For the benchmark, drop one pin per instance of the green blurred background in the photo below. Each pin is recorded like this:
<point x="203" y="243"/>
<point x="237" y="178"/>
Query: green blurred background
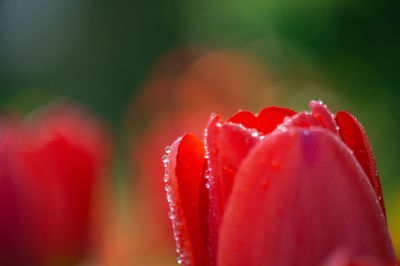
<point x="99" y="53"/>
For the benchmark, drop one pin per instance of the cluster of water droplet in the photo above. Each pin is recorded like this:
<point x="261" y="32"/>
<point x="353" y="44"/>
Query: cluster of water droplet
<point x="176" y="224"/>
<point x="207" y="172"/>
<point x="253" y="132"/>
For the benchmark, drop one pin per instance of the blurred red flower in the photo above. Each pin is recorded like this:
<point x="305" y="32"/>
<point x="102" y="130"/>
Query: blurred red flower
<point x="51" y="166"/>
<point x="279" y="188"/>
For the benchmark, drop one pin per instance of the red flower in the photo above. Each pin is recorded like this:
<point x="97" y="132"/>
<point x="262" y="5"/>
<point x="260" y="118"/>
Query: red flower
<point x="50" y="168"/>
<point x="279" y="188"/>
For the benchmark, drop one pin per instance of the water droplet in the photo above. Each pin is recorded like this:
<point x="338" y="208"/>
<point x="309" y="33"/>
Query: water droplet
<point x="179" y="260"/>
<point x="219" y="124"/>
<point x="207" y="173"/>
<point x="167" y="149"/>
<point x="287" y="119"/>
<point x="254" y="132"/>
<point x="165" y="159"/>
<point x="282" y="128"/>
<point x="208" y="185"/>
<point x="171" y="215"/>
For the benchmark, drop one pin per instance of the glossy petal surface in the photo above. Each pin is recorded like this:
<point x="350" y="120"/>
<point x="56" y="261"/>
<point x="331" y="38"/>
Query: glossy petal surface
<point x="245" y="118"/>
<point x="265" y="121"/>
<point x="298" y="196"/>
<point x="183" y="170"/>
<point x="323" y="116"/>
<point x="227" y="145"/>
<point x="301" y="120"/>
<point x="269" y="118"/>
<point x="353" y="135"/>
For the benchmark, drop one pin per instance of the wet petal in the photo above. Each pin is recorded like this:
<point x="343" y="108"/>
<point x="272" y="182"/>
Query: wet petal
<point x="269" y="118"/>
<point x="265" y="121"/>
<point x="245" y="118"/>
<point x="183" y="169"/>
<point x="301" y="120"/>
<point x="298" y="196"/>
<point x="353" y="135"/>
<point x="323" y="116"/>
<point x="227" y="144"/>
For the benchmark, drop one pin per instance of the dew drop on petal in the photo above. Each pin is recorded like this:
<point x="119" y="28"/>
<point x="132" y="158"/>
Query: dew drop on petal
<point x="254" y="133"/>
<point x="167" y="149"/>
<point x="282" y="128"/>
<point x="287" y="119"/>
<point x="165" y="158"/>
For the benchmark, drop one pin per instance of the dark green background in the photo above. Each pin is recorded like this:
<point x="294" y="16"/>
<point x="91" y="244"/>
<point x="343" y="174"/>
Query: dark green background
<point x="98" y="53"/>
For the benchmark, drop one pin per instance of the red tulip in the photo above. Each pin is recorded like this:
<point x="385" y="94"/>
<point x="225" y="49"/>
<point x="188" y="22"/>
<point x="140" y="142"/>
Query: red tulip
<point x="49" y="171"/>
<point x="278" y="188"/>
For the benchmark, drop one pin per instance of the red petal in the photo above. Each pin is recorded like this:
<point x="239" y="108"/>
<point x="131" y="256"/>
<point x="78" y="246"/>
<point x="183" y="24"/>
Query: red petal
<point x="301" y="120"/>
<point x="183" y="170"/>
<point x="343" y="258"/>
<point x="353" y="135"/>
<point x="269" y="118"/>
<point x="245" y="118"/>
<point x="204" y="211"/>
<point x="298" y="196"/>
<point x="227" y="145"/>
<point x="323" y="116"/>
